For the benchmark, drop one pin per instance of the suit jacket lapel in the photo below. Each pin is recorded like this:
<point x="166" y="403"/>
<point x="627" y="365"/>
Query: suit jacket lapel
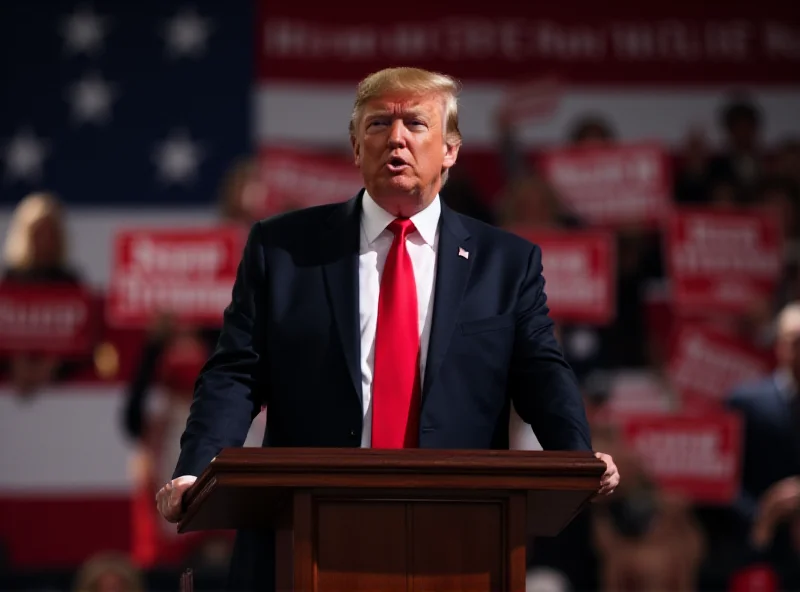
<point x="341" y="247"/>
<point x="452" y="272"/>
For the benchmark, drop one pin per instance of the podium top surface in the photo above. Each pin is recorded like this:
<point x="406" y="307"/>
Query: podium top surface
<point x="258" y="478"/>
<point x="417" y="460"/>
<point x="414" y="468"/>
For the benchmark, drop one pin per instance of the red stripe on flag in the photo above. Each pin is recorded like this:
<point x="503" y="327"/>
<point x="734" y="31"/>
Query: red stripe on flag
<point x="63" y="531"/>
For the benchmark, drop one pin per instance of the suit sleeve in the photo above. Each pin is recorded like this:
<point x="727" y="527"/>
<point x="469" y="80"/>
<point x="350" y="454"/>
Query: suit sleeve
<point x="230" y="389"/>
<point x="745" y="505"/>
<point x="544" y="389"/>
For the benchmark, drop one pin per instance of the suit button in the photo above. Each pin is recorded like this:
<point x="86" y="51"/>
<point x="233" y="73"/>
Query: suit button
<point x="352" y="433"/>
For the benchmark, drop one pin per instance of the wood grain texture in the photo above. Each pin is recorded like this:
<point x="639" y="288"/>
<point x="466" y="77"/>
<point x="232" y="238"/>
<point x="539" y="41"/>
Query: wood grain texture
<point x="458" y="546"/>
<point x="361" y="547"/>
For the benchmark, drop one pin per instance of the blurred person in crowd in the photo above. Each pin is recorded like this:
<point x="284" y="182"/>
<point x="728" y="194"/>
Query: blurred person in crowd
<point x="36" y="253"/>
<point x="690" y="181"/>
<point x="531" y="202"/>
<point x="172" y="359"/>
<point x="725" y="194"/>
<point x="786" y="164"/>
<point x="648" y="540"/>
<point x="770" y="409"/>
<point x="781" y="197"/>
<point x="36" y="246"/>
<point x="741" y="160"/>
<point x="361" y="385"/>
<point x="109" y="572"/>
<point x="728" y="178"/>
<point x="243" y="192"/>
<point x="572" y="553"/>
<point x="592" y="130"/>
<point x="625" y="339"/>
<point x="463" y="197"/>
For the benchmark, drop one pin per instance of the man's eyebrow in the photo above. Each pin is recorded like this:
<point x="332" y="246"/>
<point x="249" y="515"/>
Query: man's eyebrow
<point x="413" y="112"/>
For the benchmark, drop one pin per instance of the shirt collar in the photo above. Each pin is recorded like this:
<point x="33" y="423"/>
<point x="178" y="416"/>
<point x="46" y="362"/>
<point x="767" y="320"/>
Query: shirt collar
<point x="375" y="219"/>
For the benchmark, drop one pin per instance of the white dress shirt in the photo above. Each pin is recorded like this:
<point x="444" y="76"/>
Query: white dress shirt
<point x="375" y="243"/>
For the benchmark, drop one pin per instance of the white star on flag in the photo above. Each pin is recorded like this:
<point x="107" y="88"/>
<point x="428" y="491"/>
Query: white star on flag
<point x="177" y="158"/>
<point x="84" y="32"/>
<point x="187" y="34"/>
<point x="24" y="156"/>
<point x="90" y="100"/>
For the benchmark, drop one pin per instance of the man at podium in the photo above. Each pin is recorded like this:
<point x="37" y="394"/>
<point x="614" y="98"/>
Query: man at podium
<point x="386" y="321"/>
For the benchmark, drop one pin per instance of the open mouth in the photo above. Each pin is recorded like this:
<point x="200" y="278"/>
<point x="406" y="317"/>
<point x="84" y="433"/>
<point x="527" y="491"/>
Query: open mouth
<point x="396" y="164"/>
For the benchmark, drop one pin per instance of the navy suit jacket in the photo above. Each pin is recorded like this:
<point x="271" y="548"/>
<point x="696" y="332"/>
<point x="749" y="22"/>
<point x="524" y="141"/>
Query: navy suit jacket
<point x="291" y="340"/>
<point x="771" y="441"/>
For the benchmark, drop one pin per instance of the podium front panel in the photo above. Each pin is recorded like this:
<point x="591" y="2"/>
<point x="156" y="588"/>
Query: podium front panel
<point x="412" y="544"/>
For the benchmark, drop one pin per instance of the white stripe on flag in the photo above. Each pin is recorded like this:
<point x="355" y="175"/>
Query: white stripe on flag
<point x="319" y="114"/>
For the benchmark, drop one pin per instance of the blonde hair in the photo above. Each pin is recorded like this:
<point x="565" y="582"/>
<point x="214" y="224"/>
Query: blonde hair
<point x="414" y="81"/>
<point x="110" y="562"/>
<point x="18" y="252"/>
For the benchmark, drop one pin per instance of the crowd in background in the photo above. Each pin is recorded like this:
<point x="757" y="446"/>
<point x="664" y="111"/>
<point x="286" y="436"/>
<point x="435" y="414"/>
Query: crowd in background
<point x="642" y="538"/>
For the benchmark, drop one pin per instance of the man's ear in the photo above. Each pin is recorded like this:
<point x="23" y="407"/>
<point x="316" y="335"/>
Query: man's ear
<point x="356" y="150"/>
<point x="450" y="153"/>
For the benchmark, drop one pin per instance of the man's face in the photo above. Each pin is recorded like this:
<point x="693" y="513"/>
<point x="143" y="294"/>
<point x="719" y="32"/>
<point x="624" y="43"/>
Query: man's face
<point x="400" y="147"/>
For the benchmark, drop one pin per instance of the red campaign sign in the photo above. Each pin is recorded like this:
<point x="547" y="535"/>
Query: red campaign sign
<point x="299" y="178"/>
<point x="579" y="268"/>
<point x="53" y="319"/>
<point x="612" y="185"/>
<point x="693" y="456"/>
<point x="188" y="272"/>
<point x="706" y="364"/>
<point x="722" y="262"/>
<point x="623" y="42"/>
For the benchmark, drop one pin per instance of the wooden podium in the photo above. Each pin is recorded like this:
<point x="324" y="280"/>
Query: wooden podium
<point x="355" y="520"/>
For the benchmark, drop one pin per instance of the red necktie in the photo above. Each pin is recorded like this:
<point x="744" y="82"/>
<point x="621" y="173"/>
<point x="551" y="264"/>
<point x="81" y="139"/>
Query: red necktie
<point x="396" y="384"/>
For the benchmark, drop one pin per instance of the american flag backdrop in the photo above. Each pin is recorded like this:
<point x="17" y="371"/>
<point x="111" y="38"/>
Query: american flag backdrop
<point x="124" y="103"/>
<point x="131" y="112"/>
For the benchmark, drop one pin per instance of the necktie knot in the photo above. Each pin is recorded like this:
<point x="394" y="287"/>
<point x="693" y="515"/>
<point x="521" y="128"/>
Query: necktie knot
<point x="402" y="227"/>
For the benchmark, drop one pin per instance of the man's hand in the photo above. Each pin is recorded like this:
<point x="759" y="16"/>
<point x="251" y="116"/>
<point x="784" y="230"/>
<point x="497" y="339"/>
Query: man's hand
<point x="169" y="498"/>
<point x="610" y="478"/>
<point x="777" y="504"/>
